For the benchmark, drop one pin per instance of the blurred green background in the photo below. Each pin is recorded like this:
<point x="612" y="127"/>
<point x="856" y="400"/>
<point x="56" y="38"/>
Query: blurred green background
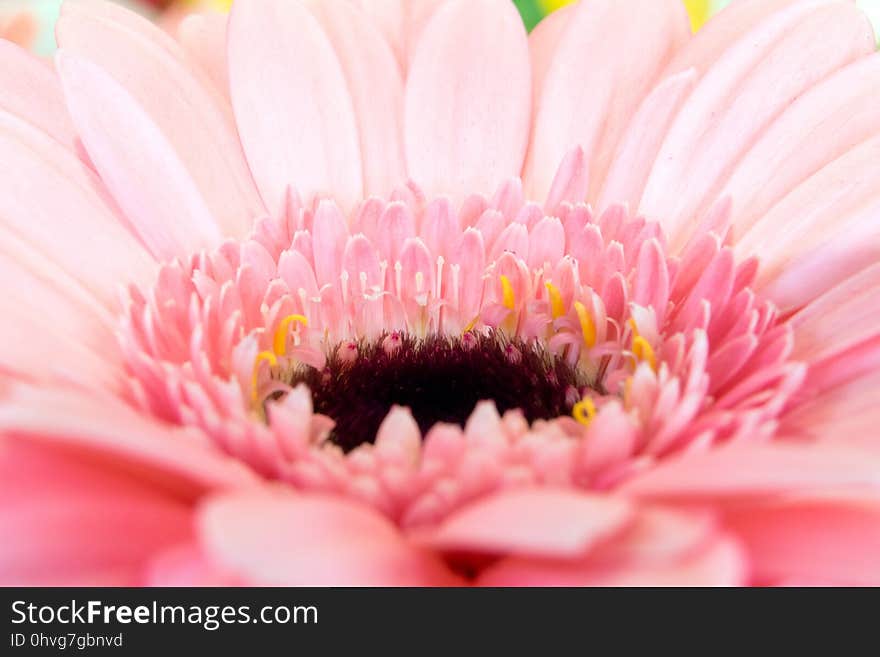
<point x="534" y="10"/>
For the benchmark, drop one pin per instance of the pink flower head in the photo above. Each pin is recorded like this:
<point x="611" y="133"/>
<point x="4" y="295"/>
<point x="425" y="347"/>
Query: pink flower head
<point x="407" y="297"/>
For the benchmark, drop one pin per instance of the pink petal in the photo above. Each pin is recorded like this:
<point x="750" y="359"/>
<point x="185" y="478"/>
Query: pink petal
<point x="823" y="124"/>
<point x="658" y="536"/>
<point x="274" y="538"/>
<point x="606" y="61"/>
<point x="138" y="165"/>
<point x="540" y="521"/>
<point x="726" y="362"/>
<point x="331" y="235"/>
<point x="75" y="522"/>
<point x="175" y="96"/>
<point x="439" y="223"/>
<point x="546" y="243"/>
<point x="376" y="89"/>
<point x="722" y="31"/>
<point x="88" y="425"/>
<point x="32" y="93"/>
<point x="720" y="563"/>
<point x="203" y="36"/>
<point x="54" y="216"/>
<point x="398" y="439"/>
<point x="846" y="412"/>
<point x="640" y="143"/>
<point x="730" y="106"/>
<point x="544" y="40"/>
<point x="401" y="23"/>
<point x="467" y="101"/>
<point x="843" y="316"/>
<point x="293" y="108"/>
<point x="571" y="183"/>
<point x="610" y="440"/>
<point x="651" y="285"/>
<point x="823" y="232"/>
<point x="833" y="538"/>
<point x="79" y="344"/>
<point x="755" y="471"/>
<point x="186" y="565"/>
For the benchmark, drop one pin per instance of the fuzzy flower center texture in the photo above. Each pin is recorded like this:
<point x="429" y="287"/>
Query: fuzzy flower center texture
<point x="566" y="347"/>
<point x="439" y="378"/>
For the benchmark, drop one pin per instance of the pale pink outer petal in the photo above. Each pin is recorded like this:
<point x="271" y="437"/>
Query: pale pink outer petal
<point x="642" y="139"/>
<point x="733" y="103"/>
<point x="292" y="106"/>
<point x="376" y="88"/>
<point x="203" y="36"/>
<point x="822" y="232"/>
<point x="544" y="39"/>
<point x="401" y="23"/>
<point x="73" y="521"/>
<point x="139" y="166"/>
<point x="277" y="538"/>
<point x="37" y="345"/>
<point x="846" y="412"/>
<point x="32" y="92"/>
<point x="838" y="335"/>
<point x="538" y="522"/>
<point x="820" y="126"/>
<point x="722" y="31"/>
<point x="54" y="215"/>
<point x="97" y="426"/>
<point x="467" y="99"/>
<point x="743" y="472"/>
<point x="833" y="538"/>
<point x="172" y="91"/>
<point x="840" y="318"/>
<point x="607" y="60"/>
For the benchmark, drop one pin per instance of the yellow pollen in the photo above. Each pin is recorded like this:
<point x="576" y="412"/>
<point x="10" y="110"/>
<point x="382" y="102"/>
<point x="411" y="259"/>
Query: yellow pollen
<point x="588" y="328"/>
<point x="263" y="355"/>
<point x="643" y="351"/>
<point x="279" y="342"/>
<point x="509" y="298"/>
<point x="584" y="411"/>
<point x="557" y="307"/>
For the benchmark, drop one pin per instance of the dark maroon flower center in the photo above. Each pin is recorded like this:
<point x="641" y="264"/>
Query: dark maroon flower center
<point x="439" y="378"/>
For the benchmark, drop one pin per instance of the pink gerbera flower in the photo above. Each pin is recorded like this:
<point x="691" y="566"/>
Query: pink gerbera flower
<point x="401" y="297"/>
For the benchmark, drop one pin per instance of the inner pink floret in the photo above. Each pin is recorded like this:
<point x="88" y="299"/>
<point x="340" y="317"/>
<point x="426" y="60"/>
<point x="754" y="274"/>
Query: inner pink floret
<point x="670" y="353"/>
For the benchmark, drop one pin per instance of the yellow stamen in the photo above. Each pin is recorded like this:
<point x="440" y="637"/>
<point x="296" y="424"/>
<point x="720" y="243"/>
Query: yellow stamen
<point x="643" y="351"/>
<point x="509" y="298"/>
<point x="263" y="355"/>
<point x="633" y="327"/>
<point x="470" y="325"/>
<point x="279" y="342"/>
<point x="588" y="328"/>
<point x="557" y="307"/>
<point x="584" y="411"/>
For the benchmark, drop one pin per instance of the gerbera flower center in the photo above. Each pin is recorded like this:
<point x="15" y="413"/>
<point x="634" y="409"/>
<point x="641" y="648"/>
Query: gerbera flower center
<point x="538" y="343"/>
<point x="440" y="378"/>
